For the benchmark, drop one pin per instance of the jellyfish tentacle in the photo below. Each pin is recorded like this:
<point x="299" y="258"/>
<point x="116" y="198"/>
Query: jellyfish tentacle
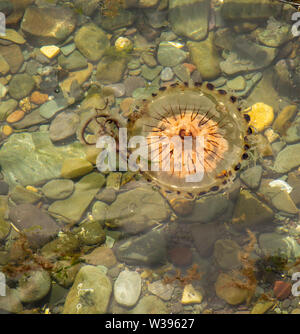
<point x="103" y="128"/>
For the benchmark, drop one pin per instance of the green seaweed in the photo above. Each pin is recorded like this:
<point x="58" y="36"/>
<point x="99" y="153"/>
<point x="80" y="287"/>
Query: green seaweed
<point x="113" y="53"/>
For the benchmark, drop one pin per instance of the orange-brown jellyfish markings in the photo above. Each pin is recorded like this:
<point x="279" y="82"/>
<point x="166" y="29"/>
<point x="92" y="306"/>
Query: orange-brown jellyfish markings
<point x="198" y="111"/>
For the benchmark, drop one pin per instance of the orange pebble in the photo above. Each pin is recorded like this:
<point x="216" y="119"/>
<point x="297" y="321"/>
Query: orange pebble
<point x="7" y="130"/>
<point x="282" y="289"/>
<point x="190" y="67"/>
<point x="38" y="98"/>
<point x="15" y="116"/>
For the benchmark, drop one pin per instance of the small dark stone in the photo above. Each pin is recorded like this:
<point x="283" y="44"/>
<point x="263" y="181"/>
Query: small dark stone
<point x="237" y="167"/>
<point x="249" y="131"/>
<point x="222" y="91"/>
<point x="245" y="156"/>
<point x="247" y="117"/>
<point x="210" y="86"/>
<point x="233" y="99"/>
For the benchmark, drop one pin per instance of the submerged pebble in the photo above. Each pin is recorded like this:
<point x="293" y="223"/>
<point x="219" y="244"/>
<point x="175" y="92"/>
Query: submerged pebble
<point x="15" y="116"/>
<point x="90" y="292"/>
<point x="50" y="51"/>
<point x="127" y="288"/>
<point x="33" y="286"/>
<point x="166" y="74"/>
<point x="58" y="189"/>
<point x="191" y="296"/>
<point x="227" y="290"/>
<point x="261" y="116"/>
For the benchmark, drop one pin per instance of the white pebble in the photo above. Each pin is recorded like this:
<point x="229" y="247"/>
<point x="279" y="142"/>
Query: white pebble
<point x="282" y="185"/>
<point x="167" y="74"/>
<point x="127" y="288"/>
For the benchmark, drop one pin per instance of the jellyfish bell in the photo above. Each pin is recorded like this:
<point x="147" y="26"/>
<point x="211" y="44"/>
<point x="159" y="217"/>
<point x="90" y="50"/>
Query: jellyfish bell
<point x="215" y="126"/>
<point x="194" y="140"/>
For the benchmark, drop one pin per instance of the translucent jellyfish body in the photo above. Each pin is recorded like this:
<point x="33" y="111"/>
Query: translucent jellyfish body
<point x="217" y="129"/>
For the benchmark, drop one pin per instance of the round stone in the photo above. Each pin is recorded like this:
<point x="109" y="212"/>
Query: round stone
<point x="167" y="74"/>
<point x="261" y="116"/>
<point x="33" y="286"/>
<point x="228" y="290"/>
<point x="123" y="44"/>
<point x="127" y="288"/>
<point x="20" y="86"/>
<point x="91" y="41"/>
<point x="91" y="289"/>
<point x="58" y="189"/>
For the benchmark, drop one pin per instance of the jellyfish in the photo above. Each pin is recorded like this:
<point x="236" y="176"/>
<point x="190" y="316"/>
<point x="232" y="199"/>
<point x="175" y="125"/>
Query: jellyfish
<point x="194" y="112"/>
<point x="198" y="132"/>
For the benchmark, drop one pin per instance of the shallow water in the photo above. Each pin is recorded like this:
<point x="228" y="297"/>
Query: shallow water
<point x="77" y="240"/>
